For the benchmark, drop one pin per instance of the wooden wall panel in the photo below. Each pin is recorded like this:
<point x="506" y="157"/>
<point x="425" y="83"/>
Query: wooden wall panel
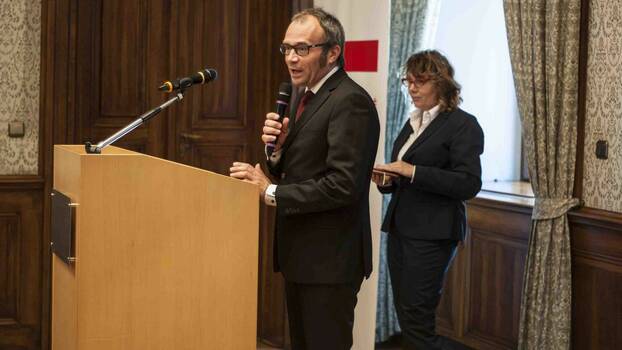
<point x="21" y="252"/>
<point x="481" y="304"/>
<point x="597" y="306"/>
<point x="9" y="267"/>
<point x="496" y="276"/>
<point x="597" y="279"/>
<point x="482" y="309"/>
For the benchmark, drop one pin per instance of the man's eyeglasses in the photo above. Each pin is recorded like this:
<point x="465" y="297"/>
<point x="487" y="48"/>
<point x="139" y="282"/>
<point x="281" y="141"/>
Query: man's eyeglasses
<point x="301" y="50"/>
<point x="417" y="82"/>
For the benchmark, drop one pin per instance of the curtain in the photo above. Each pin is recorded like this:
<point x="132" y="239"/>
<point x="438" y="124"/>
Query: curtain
<point x="543" y="37"/>
<point x="413" y="24"/>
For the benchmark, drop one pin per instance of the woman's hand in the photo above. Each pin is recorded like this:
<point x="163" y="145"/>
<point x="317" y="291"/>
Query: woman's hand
<point x="399" y="168"/>
<point x="382" y="179"/>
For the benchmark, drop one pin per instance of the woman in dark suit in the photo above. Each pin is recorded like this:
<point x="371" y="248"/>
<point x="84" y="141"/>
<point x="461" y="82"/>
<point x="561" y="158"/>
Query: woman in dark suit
<point x="435" y="167"/>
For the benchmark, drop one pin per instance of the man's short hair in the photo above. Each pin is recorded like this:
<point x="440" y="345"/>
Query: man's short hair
<point x="333" y="30"/>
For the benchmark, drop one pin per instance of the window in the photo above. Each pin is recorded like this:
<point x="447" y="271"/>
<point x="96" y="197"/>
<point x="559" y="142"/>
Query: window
<point x="473" y="37"/>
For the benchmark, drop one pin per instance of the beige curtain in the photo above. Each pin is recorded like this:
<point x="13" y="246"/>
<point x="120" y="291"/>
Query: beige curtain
<point x="543" y="37"/>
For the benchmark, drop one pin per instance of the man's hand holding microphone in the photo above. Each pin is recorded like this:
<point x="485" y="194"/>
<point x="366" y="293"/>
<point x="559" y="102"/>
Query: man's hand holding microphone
<point x="275" y="132"/>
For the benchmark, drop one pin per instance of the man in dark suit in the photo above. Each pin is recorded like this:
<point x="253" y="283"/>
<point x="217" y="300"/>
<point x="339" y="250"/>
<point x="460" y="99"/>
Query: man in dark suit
<point x="323" y="160"/>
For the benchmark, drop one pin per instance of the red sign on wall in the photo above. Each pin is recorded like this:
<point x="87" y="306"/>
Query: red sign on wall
<point x="361" y="56"/>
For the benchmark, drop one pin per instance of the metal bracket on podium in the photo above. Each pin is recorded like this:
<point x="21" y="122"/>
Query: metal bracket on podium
<point x="63" y="227"/>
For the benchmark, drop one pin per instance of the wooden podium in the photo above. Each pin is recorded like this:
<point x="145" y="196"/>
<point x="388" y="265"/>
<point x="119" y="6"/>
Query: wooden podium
<point x="165" y="255"/>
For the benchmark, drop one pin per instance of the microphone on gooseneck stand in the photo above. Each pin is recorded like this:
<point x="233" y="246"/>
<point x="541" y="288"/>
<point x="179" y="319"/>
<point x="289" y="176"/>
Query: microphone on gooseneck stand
<point x="282" y="101"/>
<point x="178" y="85"/>
<point x="201" y="77"/>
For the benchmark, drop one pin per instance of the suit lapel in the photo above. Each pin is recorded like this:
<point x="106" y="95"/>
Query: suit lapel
<point x="436" y="124"/>
<point x="313" y="105"/>
<point x="401" y="140"/>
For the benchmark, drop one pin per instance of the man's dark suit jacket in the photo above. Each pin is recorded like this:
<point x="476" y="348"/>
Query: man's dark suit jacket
<point x="448" y="172"/>
<point x="323" y="232"/>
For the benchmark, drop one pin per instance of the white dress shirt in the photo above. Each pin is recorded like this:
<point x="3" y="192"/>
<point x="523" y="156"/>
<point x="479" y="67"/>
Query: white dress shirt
<point x="419" y="121"/>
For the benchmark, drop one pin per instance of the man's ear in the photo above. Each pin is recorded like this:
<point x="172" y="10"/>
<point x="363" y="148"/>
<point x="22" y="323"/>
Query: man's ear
<point x="333" y="54"/>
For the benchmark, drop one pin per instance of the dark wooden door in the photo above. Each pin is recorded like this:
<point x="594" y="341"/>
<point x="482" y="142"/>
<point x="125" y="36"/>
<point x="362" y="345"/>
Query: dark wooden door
<point x="212" y="126"/>
<point x="125" y="49"/>
<point x="221" y="122"/>
<point x="122" y="53"/>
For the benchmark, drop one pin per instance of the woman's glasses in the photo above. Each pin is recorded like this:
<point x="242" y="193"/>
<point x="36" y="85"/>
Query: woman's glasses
<point x="417" y="82"/>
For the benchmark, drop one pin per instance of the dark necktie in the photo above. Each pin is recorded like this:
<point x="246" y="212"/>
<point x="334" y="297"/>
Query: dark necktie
<point x="303" y="103"/>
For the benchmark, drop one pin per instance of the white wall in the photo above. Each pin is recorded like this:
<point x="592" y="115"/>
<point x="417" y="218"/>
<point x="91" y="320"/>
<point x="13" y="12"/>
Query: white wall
<point x="368" y="20"/>
<point x="473" y="37"/>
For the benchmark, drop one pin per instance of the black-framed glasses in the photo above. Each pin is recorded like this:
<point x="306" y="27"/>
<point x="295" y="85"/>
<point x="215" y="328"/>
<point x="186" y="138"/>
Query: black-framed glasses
<point x="417" y="82"/>
<point x="300" y="50"/>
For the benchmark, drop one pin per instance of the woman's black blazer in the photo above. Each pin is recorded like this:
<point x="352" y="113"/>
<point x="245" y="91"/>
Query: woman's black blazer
<point x="448" y="172"/>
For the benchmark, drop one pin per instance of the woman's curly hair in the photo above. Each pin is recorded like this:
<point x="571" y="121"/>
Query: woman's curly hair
<point x="432" y="65"/>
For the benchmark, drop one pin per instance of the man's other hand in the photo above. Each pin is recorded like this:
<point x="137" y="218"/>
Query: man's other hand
<point x="248" y="173"/>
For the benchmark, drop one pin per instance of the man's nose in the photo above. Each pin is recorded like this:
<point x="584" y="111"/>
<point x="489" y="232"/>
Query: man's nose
<point x="292" y="56"/>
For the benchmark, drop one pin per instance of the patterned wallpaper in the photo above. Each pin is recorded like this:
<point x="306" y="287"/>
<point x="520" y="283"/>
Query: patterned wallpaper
<point x="602" y="183"/>
<point x="20" y="43"/>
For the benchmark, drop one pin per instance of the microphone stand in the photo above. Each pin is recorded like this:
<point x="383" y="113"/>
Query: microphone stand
<point x="96" y="149"/>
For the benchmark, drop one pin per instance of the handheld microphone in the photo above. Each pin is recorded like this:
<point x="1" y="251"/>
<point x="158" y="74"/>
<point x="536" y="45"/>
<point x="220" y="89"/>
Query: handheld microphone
<point x="201" y="77"/>
<point x="282" y="101"/>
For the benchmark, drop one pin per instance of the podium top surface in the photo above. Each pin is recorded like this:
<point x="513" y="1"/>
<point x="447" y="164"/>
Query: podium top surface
<point x="80" y="152"/>
<point x="110" y="150"/>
